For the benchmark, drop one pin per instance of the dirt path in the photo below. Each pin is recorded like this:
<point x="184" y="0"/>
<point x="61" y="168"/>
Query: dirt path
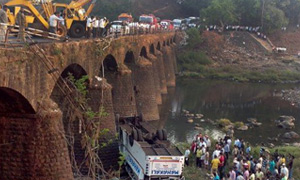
<point x="264" y="43"/>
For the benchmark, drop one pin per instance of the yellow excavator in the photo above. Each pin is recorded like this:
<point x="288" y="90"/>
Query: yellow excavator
<point x="38" y="13"/>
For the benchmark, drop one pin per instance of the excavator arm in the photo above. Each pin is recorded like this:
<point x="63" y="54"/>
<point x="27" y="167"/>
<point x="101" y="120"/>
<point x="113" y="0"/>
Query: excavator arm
<point x="91" y="7"/>
<point x="78" y="3"/>
<point x="30" y="6"/>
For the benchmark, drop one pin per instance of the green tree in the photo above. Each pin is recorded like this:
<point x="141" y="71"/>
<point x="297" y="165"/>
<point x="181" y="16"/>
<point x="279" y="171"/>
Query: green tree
<point x="194" y="6"/>
<point x="221" y="12"/>
<point x="248" y="12"/>
<point x="291" y="9"/>
<point x="273" y="17"/>
<point x="194" y="40"/>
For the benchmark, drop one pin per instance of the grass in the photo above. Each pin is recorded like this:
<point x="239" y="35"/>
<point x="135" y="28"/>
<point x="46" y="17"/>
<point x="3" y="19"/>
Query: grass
<point x="242" y="75"/>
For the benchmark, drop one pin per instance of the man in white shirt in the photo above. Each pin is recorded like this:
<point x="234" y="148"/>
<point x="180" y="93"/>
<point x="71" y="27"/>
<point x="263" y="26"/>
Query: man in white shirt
<point x="89" y="27"/>
<point x="284" y="171"/>
<point x="95" y="26"/>
<point x="54" y="19"/>
<point x="186" y="156"/>
<point x="216" y="153"/>
<point x="202" y="143"/>
<point x="101" y="26"/>
<point x="207" y="141"/>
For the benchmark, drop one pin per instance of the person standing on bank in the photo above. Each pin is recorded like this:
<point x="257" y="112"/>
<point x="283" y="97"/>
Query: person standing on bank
<point x="21" y="21"/>
<point x="4" y="20"/>
<point x="54" y="19"/>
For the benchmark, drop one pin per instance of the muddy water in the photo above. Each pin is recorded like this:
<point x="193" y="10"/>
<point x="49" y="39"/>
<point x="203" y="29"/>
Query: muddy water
<point x="217" y="99"/>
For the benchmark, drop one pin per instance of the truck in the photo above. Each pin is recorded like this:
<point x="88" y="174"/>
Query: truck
<point x="148" y="155"/>
<point x="39" y="12"/>
<point x="149" y="22"/>
<point x="125" y="17"/>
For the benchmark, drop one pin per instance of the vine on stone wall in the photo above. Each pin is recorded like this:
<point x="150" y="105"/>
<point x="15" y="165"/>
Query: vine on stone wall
<point x="90" y="129"/>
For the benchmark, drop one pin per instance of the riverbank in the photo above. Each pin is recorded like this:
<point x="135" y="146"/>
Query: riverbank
<point x="235" y="56"/>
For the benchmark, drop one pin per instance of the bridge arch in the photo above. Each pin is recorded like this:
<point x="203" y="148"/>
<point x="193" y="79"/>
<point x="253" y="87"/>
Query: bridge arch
<point x="168" y="42"/>
<point x="110" y="64"/>
<point x="129" y="58"/>
<point x="63" y="91"/>
<point x="75" y="69"/>
<point x="12" y="101"/>
<point x="152" y="49"/>
<point x="158" y="47"/>
<point x="17" y="123"/>
<point x="143" y="52"/>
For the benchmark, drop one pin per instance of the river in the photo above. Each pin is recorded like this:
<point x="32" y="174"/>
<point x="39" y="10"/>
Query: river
<point x="217" y="99"/>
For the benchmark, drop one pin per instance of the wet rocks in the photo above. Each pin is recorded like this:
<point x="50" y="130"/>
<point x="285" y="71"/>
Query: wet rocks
<point x="190" y="120"/>
<point x="199" y="116"/>
<point x="291" y="135"/>
<point x="187" y="113"/>
<point x="273" y="139"/>
<point x="198" y="128"/>
<point x="224" y="123"/>
<point x="197" y="124"/>
<point x="286" y="122"/>
<point x="253" y="122"/>
<point x="243" y="128"/>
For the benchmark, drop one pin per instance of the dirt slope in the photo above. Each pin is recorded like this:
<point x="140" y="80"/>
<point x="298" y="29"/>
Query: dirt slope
<point x="241" y="51"/>
<point x="289" y="39"/>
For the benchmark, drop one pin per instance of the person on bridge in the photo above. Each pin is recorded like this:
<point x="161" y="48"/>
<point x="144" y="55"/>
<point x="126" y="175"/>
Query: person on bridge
<point x="106" y="27"/>
<point x="21" y="21"/>
<point x="3" y="20"/>
<point x="54" y="19"/>
<point x="89" y="26"/>
<point x="95" y="26"/>
<point x="101" y="26"/>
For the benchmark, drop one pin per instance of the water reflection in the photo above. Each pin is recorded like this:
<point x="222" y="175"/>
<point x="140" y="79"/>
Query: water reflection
<point x="222" y="99"/>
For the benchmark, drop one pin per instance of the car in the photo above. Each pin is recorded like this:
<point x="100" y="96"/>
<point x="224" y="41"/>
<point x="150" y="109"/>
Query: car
<point x="167" y="24"/>
<point x="119" y="27"/>
<point x="177" y="23"/>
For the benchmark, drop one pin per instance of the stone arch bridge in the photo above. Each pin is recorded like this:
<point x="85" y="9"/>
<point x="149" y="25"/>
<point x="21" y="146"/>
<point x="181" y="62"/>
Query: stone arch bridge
<point x="126" y="75"/>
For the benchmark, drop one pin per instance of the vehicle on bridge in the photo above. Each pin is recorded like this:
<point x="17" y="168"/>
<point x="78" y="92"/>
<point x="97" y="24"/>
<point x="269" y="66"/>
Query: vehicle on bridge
<point x="119" y="27"/>
<point x="39" y="12"/>
<point x="148" y="155"/>
<point x="177" y="23"/>
<point x="149" y="22"/>
<point x="167" y="25"/>
<point x="125" y="17"/>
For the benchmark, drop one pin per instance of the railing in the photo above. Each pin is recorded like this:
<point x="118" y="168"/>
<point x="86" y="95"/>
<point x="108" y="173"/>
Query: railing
<point x="112" y="33"/>
<point x="134" y="30"/>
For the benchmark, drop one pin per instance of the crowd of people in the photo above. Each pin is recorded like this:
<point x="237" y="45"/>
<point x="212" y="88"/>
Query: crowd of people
<point x="234" y="160"/>
<point x="97" y="26"/>
<point x="250" y="29"/>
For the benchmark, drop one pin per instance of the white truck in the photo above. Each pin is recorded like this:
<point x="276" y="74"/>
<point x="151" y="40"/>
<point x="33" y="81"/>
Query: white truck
<point x="149" y="156"/>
